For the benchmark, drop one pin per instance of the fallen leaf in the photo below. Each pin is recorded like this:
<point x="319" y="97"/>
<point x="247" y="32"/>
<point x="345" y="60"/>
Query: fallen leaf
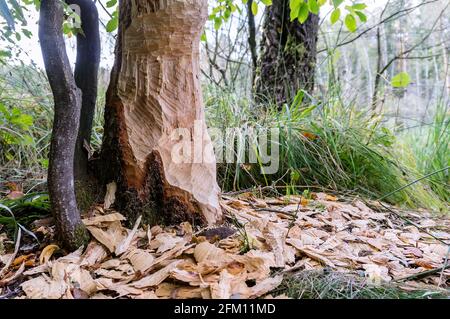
<point x="141" y="260"/>
<point x="94" y="254"/>
<point x="275" y="238"/>
<point x="110" y="238"/>
<point x="206" y="251"/>
<point x="14" y="195"/>
<point x="22" y="259"/>
<point x="13" y="277"/>
<point x="165" y="241"/>
<point x="43" y="288"/>
<point x="157" y="277"/>
<point x="265" y="286"/>
<point x="376" y="274"/>
<point x="98" y="220"/>
<point x="222" y="289"/>
<point x="47" y="253"/>
<point x="310" y="252"/>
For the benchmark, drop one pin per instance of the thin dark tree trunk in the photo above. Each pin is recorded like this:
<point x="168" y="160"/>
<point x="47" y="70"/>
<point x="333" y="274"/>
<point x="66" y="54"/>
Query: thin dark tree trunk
<point x="86" y="78"/>
<point x="67" y="99"/>
<point x="288" y="55"/>
<point x="379" y="71"/>
<point x="252" y="38"/>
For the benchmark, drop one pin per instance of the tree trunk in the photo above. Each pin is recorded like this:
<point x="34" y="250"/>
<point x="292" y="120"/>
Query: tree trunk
<point x="153" y="94"/>
<point x="288" y="54"/>
<point x="378" y="72"/>
<point x="86" y="75"/>
<point x="67" y="99"/>
<point x="252" y="38"/>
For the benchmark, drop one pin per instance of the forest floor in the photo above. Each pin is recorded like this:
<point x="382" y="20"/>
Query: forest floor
<point x="284" y="247"/>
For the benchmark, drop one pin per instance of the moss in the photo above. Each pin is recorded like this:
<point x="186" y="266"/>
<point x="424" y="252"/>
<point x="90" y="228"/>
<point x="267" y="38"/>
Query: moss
<point x="79" y="238"/>
<point x="87" y="193"/>
<point x="294" y="48"/>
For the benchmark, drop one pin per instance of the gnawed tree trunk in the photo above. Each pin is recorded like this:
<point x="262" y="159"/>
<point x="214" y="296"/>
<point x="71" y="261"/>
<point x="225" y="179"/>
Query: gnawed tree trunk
<point x="67" y="99"/>
<point x="86" y="77"/>
<point x="288" y="55"/>
<point x="154" y="91"/>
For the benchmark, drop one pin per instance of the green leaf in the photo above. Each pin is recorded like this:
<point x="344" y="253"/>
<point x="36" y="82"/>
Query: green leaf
<point x="203" y="37"/>
<point x="361" y="16"/>
<point x="359" y="6"/>
<point x="19" y="11"/>
<point x="337" y="3"/>
<point x="217" y="23"/>
<point x="335" y="15"/>
<point x="44" y="162"/>
<point x="303" y="13"/>
<point x="3" y="54"/>
<point x="294" y="6"/>
<point x="27" y="33"/>
<point x="27" y="140"/>
<point x="313" y="6"/>
<point x="67" y="28"/>
<point x="6" y="14"/>
<point x="254" y="8"/>
<point x="112" y="24"/>
<point x="401" y="80"/>
<point x="111" y="3"/>
<point x="266" y="2"/>
<point x="350" y="23"/>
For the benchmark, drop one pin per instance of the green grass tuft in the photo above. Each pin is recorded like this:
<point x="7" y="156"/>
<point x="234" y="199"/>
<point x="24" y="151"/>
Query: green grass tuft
<point x="314" y="284"/>
<point x="327" y="144"/>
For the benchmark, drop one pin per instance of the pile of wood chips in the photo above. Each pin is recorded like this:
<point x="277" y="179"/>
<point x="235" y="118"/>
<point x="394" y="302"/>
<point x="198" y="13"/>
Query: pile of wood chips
<point x="264" y="239"/>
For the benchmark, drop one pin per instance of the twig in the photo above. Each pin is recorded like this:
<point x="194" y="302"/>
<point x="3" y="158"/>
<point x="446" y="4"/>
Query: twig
<point x="275" y="187"/>
<point x="423" y="274"/>
<point x="242" y="191"/>
<point x="412" y="223"/>
<point x="412" y="183"/>
<point x="443" y="268"/>
<point x="271" y="210"/>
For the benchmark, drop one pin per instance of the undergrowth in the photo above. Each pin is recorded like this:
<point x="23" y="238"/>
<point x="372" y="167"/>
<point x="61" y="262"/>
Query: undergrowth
<point x="431" y="148"/>
<point x="23" y="211"/>
<point x="315" y="284"/>
<point x="329" y="144"/>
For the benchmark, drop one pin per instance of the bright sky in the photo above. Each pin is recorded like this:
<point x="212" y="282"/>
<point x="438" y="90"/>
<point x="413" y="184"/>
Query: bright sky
<point x="31" y="46"/>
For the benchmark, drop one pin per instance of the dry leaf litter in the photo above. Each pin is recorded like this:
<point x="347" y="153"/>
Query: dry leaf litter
<point x="246" y="259"/>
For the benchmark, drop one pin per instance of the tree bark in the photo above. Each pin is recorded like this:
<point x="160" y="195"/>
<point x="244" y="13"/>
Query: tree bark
<point x="252" y="38"/>
<point x="155" y="90"/>
<point x="378" y="71"/>
<point x="288" y="54"/>
<point x="86" y="77"/>
<point x="67" y="100"/>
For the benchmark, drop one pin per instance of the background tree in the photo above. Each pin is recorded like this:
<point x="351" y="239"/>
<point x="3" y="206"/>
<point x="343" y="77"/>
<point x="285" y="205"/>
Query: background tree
<point x="288" y="55"/>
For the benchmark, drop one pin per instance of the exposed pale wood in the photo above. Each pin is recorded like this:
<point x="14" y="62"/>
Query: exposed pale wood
<point x="158" y="91"/>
